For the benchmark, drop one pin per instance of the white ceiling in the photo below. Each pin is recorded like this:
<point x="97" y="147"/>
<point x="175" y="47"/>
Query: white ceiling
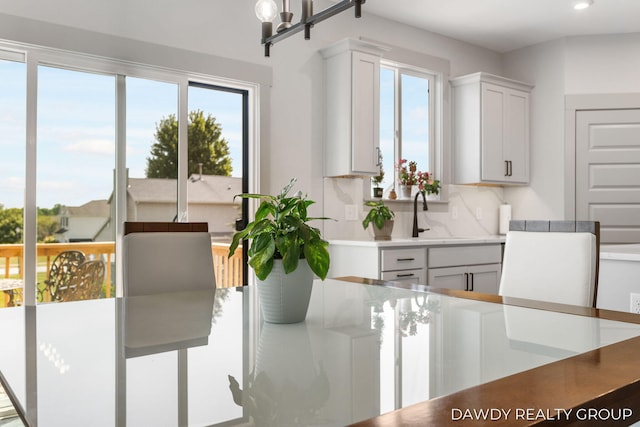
<point x="504" y="25"/>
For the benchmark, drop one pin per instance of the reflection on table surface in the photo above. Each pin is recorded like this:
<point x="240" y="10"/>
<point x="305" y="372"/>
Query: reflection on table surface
<point x="207" y="359"/>
<point x="10" y="292"/>
<point x="9" y="413"/>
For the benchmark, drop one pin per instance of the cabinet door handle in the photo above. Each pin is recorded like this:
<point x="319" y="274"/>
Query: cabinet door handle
<point x="405" y="259"/>
<point x="466" y="281"/>
<point x="405" y="275"/>
<point x="510" y="168"/>
<point x="506" y="168"/>
<point x="471" y="274"/>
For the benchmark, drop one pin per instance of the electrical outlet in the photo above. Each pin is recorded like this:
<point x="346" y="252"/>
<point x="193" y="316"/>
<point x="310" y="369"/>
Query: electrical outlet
<point x="478" y="213"/>
<point x="635" y="303"/>
<point x="351" y="212"/>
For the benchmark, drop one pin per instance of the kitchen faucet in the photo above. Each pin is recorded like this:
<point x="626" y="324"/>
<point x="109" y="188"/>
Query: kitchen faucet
<point x="417" y="230"/>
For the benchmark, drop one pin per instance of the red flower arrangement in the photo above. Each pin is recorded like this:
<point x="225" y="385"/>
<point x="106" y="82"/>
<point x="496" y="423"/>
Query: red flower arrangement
<point x="408" y="175"/>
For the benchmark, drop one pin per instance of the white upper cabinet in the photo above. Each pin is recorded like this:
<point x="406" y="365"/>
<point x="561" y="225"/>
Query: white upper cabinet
<point x="352" y="108"/>
<point x="490" y="130"/>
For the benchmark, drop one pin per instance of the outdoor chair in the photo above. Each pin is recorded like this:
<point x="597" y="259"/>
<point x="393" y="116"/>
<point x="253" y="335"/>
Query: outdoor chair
<point x="86" y="282"/>
<point x="552" y="261"/>
<point x="62" y="270"/>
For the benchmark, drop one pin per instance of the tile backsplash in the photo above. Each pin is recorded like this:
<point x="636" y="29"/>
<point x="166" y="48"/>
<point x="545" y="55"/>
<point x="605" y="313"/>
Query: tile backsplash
<point x="464" y="211"/>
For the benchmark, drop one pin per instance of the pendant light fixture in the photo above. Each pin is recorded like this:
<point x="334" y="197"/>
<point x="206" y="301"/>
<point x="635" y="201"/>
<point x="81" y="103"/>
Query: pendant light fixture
<point x="266" y="11"/>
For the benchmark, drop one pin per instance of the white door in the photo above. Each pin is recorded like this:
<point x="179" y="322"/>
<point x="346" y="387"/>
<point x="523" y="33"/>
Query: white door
<point x="608" y="172"/>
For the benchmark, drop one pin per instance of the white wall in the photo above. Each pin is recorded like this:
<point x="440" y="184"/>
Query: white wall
<point x="575" y="65"/>
<point x="543" y="66"/>
<point x="222" y="37"/>
<point x="603" y="64"/>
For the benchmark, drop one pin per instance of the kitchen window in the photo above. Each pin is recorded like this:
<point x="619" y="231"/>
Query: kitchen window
<point x="408" y="120"/>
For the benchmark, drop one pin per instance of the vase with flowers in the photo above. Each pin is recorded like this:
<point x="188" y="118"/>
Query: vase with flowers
<point x="427" y="184"/>
<point x="407" y="177"/>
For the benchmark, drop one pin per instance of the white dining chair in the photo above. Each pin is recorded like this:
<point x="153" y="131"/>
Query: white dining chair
<point x="167" y="261"/>
<point x="552" y="261"/>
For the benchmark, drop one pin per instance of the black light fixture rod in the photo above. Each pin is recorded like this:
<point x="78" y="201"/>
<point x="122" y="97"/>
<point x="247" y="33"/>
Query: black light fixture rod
<point x="313" y="19"/>
<point x="359" y="8"/>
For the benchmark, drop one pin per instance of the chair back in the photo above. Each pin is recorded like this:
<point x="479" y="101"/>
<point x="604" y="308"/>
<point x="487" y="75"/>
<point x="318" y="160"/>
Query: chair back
<point x="553" y="261"/>
<point x="86" y="282"/>
<point x="167" y="257"/>
<point x="62" y="270"/>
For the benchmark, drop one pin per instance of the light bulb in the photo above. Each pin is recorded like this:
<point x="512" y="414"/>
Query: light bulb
<point x="582" y="4"/>
<point x="266" y="10"/>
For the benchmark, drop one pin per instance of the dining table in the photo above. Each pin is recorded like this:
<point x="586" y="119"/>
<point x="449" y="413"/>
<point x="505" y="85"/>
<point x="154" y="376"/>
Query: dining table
<point x="370" y="353"/>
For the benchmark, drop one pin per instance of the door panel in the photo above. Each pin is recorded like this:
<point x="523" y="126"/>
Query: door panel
<point x="485" y="278"/>
<point x="608" y="172"/>
<point x="493" y="105"/>
<point x="448" y="277"/>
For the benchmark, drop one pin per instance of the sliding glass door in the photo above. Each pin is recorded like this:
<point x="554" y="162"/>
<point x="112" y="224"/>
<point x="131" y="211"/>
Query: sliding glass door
<point x="12" y="172"/>
<point x="86" y="146"/>
<point x="217" y="141"/>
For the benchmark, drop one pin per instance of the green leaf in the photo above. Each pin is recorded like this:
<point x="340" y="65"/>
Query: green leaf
<point x="288" y="187"/>
<point x="318" y="257"/>
<point x="263" y="270"/>
<point x="379" y="221"/>
<point x="262" y="249"/>
<point x="367" y="219"/>
<point x="264" y="210"/>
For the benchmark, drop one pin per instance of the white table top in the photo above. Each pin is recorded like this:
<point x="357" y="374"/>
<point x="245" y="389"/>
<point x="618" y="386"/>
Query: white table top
<point x="214" y="361"/>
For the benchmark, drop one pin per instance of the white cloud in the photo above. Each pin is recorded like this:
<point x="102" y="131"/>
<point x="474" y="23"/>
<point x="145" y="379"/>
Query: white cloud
<point x="100" y="147"/>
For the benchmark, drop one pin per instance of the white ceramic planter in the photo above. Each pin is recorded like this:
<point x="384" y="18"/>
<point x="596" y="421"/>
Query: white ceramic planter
<point x="284" y="298"/>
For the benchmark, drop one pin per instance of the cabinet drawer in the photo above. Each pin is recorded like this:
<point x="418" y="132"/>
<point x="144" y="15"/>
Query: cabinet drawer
<point x="408" y="276"/>
<point x="465" y="255"/>
<point x="403" y="259"/>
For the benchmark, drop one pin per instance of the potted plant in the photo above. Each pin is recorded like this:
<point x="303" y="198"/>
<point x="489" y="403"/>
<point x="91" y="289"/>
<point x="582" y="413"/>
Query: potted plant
<point x="427" y="184"/>
<point x="407" y="176"/>
<point x="284" y="253"/>
<point x="377" y="180"/>
<point x="381" y="219"/>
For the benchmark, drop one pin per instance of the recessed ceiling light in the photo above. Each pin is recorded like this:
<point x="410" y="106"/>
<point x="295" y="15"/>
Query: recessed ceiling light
<point x="582" y="4"/>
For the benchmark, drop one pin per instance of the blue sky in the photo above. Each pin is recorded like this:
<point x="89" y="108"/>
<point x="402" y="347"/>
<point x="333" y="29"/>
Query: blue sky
<point x="76" y="131"/>
<point x="415" y="118"/>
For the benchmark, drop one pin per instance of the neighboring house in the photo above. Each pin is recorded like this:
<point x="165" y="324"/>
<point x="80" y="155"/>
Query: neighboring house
<point x="83" y="223"/>
<point x="209" y="198"/>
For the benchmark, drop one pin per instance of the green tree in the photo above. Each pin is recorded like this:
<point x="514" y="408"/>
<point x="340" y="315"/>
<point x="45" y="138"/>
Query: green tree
<point x="11" y="225"/>
<point x="12" y="229"/>
<point x="47" y="226"/>
<point x="206" y="146"/>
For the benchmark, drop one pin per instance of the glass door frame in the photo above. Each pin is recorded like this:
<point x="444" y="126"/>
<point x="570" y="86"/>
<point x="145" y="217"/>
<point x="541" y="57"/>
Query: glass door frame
<point x="36" y="56"/>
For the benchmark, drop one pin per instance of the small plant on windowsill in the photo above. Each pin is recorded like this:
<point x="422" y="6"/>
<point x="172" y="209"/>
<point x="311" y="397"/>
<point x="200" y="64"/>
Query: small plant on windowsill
<point x="381" y="219"/>
<point x="427" y="184"/>
<point x="377" y="180"/>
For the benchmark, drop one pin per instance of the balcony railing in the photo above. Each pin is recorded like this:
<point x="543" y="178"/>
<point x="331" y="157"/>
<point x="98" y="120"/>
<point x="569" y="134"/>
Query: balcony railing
<point x="228" y="271"/>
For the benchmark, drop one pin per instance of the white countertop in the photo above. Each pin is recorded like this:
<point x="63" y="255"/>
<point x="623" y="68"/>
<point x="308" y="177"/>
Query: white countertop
<point x="422" y="241"/>
<point x="620" y="252"/>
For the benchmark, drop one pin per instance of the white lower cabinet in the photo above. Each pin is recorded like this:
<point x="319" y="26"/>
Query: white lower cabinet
<point x="467" y="268"/>
<point x="410" y="276"/>
<point x="478" y="278"/>
<point x="405" y="265"/>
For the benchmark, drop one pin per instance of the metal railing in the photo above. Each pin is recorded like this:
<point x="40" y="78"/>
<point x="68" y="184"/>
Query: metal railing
<point x="228" y="271"/>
